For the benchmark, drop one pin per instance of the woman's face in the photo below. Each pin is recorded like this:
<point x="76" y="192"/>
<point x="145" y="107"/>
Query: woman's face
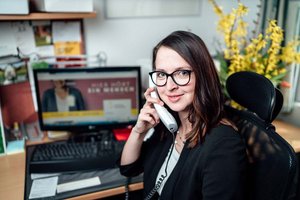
<point x="178" y="98"/>
<point x="59" y="83"/>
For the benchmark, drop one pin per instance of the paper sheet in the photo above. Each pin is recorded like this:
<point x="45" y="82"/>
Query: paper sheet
<point x="47" y="50"/>
<point x="75" y="185"/>
<point x="15" y="146"/>
<point x="43" y="187"/>
<point x="43" y="175"/>
<point x="24" y="37"/>
<point x="67" y="48"/>
<point x="66" y="31"/>
<point x="8" y="44"/>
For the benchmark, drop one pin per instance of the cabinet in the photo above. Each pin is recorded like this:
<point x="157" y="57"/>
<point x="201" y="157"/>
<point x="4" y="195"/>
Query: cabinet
<point x="47" y="16"/>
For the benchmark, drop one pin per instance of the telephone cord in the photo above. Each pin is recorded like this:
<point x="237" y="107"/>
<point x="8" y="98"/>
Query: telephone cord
<point x="128" y="179"/>
<point x="161" y="179"/>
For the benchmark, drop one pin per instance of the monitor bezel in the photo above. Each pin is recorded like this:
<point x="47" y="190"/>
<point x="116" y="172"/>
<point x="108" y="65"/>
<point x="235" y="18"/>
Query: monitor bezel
<point x="85" y="128"/>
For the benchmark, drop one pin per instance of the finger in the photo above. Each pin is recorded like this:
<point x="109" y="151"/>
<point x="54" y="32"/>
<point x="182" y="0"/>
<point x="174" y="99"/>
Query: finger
<point x="147" y="93"/>
<point x="148" y="118"/>
<point x="154" y="115"/>
<point x="149" y="115"/>
<point x="150" y="99"/>
<point x="145" y="122"/>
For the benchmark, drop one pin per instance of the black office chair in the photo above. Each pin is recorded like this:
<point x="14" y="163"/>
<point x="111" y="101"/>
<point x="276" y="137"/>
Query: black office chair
<point x="272" y="161"/>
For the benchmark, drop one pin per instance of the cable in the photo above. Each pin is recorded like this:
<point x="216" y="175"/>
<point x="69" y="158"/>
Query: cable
<point x="127" y="188"/>
<point x="161" y="179"/>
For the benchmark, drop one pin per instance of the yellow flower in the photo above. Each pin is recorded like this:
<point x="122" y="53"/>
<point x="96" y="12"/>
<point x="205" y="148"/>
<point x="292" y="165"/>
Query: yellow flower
<point x="242" y="9"/>
<point x="218" y="10"/>
<point x="289" y="53"/>
<point x="263" y="53"/>
<point x="236" y="105"/>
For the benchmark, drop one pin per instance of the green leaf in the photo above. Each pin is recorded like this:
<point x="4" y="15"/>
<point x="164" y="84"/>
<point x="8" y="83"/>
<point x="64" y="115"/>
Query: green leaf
<point x="278" y="77"/>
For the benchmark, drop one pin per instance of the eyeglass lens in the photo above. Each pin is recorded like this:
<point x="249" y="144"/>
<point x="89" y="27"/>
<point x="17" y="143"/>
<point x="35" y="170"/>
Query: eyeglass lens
<point x="180" y="77"/>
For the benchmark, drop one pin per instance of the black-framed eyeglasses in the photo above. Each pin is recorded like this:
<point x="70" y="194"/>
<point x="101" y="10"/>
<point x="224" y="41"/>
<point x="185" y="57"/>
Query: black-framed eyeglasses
<point x="180" y="77"/>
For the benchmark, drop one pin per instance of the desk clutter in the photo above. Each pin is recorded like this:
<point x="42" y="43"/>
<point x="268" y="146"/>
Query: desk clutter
<point x="83" y="164"/>
<point x="13" y="138"/>
<point x="66" y="185"/>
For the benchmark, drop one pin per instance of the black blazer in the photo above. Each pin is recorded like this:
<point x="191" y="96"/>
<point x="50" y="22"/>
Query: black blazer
<point x="213" y="170"/>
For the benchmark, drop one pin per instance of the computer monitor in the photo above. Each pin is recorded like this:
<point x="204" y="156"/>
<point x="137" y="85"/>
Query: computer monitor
<point x="87" y="99"/>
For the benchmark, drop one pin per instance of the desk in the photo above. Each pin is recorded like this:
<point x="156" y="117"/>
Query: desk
<point x="289" y="132"/>
<point x="108" y="193"/>
<point x="12" y="182"/>
<point x="12" y="173"/>
<point x="12" y="170"/>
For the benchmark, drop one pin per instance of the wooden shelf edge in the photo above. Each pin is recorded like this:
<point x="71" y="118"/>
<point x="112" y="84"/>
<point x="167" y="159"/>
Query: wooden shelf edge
<point x="48" y="16"/>
<point x="109" y="192"/>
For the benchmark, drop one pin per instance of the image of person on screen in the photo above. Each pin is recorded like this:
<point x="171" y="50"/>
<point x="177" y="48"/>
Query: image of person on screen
<point x="205" y="159"/>
<point x="62" y="98"/>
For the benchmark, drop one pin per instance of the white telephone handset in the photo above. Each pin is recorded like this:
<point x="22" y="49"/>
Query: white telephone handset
<point x="168" y="120"/>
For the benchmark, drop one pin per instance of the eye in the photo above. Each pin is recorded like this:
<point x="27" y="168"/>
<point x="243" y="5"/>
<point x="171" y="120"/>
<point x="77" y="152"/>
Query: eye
<point x="160" y="75"/>
<point x="182" y="73"/>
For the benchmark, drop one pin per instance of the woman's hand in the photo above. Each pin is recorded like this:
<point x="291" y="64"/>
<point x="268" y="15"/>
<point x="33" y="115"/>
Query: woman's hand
<point x="148" y="117"/>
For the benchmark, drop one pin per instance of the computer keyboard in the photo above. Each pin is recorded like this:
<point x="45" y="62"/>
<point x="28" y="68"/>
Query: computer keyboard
<point x="75" y="156"/>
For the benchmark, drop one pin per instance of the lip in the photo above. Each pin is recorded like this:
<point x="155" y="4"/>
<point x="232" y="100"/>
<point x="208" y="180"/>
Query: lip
<point x="174" y="98"/>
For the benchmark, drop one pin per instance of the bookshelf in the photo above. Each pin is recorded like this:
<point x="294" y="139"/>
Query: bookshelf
<point x="48" y="16"/>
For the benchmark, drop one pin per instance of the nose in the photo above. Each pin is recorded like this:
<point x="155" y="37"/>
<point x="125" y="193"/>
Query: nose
<point x="171" y="84"/>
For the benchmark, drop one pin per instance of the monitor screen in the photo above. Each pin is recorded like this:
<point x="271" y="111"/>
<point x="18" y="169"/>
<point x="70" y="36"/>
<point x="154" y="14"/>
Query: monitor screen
<point x="87" y="99"/>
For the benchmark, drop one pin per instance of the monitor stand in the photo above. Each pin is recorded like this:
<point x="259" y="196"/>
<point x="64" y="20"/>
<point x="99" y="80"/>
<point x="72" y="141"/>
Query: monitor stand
<point x="58" y="134"/>
<point x="90" y="135"/>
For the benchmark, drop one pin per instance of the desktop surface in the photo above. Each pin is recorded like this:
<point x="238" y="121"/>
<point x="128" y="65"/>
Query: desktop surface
<point x="12" y="175"/>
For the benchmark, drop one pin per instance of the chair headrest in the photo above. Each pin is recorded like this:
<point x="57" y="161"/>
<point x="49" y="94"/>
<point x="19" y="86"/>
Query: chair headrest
<point x="256" y="93"/>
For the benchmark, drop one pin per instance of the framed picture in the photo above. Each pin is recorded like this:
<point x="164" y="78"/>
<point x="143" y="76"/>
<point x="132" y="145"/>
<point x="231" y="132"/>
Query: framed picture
<point x="151" y="8"/>
<point x="12" y="70"/>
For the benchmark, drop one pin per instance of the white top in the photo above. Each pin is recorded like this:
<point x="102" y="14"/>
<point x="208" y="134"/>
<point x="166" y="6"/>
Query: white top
<point x="62" y="104"/>
<point x="172" y="162"/>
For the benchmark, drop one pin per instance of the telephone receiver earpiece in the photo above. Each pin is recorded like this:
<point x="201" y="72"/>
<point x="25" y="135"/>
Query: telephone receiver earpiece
<point x="164" y="115"/>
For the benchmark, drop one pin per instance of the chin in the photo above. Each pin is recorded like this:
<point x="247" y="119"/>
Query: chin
<point x="178" y="108"/>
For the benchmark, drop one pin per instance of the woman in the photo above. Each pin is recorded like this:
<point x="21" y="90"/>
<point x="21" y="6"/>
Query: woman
<point x="62" y="98"/>
<point x="206" y="158"/>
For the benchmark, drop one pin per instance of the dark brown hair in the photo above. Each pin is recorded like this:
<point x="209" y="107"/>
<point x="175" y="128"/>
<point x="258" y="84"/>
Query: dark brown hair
<point x="206" y="111"/>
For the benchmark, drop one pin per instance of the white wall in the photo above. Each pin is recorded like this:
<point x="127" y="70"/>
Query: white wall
<point x="129" y="41"/>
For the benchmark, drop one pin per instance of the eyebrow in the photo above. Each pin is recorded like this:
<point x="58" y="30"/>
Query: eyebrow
<point x="176" y="69"/>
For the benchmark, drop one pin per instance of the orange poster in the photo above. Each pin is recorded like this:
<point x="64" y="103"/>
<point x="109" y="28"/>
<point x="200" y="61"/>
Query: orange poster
<point x="67" y="48"/>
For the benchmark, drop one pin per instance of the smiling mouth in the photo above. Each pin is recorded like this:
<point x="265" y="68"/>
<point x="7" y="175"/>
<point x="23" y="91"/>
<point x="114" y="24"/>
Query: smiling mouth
<point x="174" y="98"/>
